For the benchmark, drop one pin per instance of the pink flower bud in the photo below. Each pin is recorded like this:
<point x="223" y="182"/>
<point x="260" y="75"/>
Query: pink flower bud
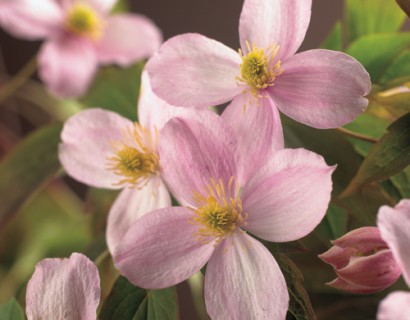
<point x="362" y="261"/>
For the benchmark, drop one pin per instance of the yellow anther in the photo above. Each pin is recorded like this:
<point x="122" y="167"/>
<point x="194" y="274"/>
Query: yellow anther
<point x="84" y="21"/>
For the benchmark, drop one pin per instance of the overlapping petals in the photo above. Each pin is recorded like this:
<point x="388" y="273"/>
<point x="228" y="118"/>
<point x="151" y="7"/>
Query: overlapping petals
<point x="63" y="289"/>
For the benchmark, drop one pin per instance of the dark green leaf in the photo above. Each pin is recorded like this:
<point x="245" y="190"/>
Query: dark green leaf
<point x="372" y="16"/>
<point x="334" y="225"/>
<point x="127" y="302"/>
<point x="377" y="52"/>
<point x="116" y="89"/>
<point x="399" y="69"/>
<point x="402" y="182"/>
<point x="387" y="158"/>
<point x="334" y="41"/>
<point x="11" y="310"/>
<point x="405" y="5"/>
<point x="33" y="162"/>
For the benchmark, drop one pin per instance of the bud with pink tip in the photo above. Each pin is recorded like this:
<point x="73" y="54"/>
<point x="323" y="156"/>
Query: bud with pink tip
<point x="363" y="262"/>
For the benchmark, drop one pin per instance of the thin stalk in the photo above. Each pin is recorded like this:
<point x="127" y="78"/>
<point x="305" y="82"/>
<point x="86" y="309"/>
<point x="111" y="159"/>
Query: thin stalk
<point x="101" y="258"/>
<point x="357" y="135"/>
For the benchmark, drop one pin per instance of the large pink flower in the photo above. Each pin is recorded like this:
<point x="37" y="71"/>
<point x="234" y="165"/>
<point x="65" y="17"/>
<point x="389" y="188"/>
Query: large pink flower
<point x="105" y="150"/>
<point x="64" y="289"/>
<point x="80" y="35"/>
<point x="283" y="201"/>
<point x="394" y="225"/>
<point x="320" y="88"/>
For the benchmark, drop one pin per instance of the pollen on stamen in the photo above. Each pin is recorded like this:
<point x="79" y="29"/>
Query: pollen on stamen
<point x="134" y="157"/>
<point x="219" y="212"/>
<point x="84" y="21"/>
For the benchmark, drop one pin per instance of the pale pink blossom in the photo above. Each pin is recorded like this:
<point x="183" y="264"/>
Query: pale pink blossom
<point x="201" y="164"/>
<point x="394" y="225"/>
<point x="80" y="35"/>
<point x="362" y="261"/>
<point x="64" y="289"/>
<point x="105" y="150"/>
<point x="320" y="88"/>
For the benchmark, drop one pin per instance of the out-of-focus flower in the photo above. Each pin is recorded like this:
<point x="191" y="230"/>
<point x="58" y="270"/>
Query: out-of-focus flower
<point x="320" y="88"/>
<point x="394" y="225"/>
<point x="363" y="262"/>
<point x="64" y="289"/>
<point x="80" y="35"/>
<point x="201" y="161"/>
<point x="103" y="149"/>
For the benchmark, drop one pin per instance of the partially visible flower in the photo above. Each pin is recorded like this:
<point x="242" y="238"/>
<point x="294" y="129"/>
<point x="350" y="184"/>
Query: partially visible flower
<point x="201" y="165"/>
<point x="63" y="289"/>
<point x="394" y="225"/>
<point x="103" y="149"/>
<point x="79" y="35"/>
<point x="362" y="261"/>
<point x="320" y="88"/>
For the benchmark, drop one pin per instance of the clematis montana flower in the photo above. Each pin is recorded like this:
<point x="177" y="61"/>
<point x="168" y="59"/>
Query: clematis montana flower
<point x="64" y="289"/>
<point x="79" y="35"/>
<point x="105" y="150"/>
<point x="394" y="225"/>
<point x="278" y="203"/>
<point x="320" y="88"/>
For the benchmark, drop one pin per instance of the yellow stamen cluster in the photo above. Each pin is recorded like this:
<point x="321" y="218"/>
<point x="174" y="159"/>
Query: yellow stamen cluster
<point x="258" y="68"/>
<point x="135" y="159"/>
<point x="84" y="21"/>
<point x="219" y="213"/>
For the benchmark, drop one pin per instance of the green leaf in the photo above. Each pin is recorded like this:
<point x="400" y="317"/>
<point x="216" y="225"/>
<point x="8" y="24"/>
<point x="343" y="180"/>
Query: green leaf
<point x="399" y="68"/>
<point x="402" y="182"/>
<point x="11" y="310"/>
<point x="388" y="157"/>
<point x="372" y="16"/>
<point x="29" y="166"/>
<point x="405" y="6"/>
<point x="116" y="89"/>
<point x="396" y="104"/>
<point x="334" y="225"/>
<point x="334" y="41"/>
<point x="127" y="302"/>
<point x="378" y="52"/>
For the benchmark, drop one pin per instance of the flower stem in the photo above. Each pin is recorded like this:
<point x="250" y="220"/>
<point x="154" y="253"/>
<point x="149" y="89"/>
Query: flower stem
<point x="18" y="80"/>
<point x="357" y="135"/>
<point x="101" y="258"/>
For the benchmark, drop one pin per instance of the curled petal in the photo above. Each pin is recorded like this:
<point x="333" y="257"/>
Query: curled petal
<point x="191" y="70"/>
<point x="347" y="286"/>
<point x="243" y="281"/>
<point x="338" y="257"/>
<point x="64" y="289"/>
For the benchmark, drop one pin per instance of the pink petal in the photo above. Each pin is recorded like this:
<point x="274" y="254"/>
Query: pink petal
<point x="259" y="130"/>
<point x="338" y="257"/>
<point x="243" y="281"/>
<point x="191" y="70"/>
<point x="87" y="144"/>
<point x="63" y="289"/>
<point x="394" y="225"/>
<point x="395" y="306"/>
<point x="160" y="249"/>
<point x="142" y="39"/>
<point x="279" y="22"/>
<point x="365" y="239"/>
<point x="347" y="286"/>
<point x="288" y="198"/>
<point x="321" y="88"/>
<point x="193" y="152"/>
<point x="67" y="65"/>
<point x="132" y="204"/>
<point x="31" y="19"/>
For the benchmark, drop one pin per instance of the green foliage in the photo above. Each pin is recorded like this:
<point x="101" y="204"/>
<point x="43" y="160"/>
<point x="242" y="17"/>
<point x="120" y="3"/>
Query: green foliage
<point x="11" y="310"/>
<point x="127" y="302"/>
<point x="334" y="41"/>
<point x="29" y="166"/>
<point x="365" y="17"/>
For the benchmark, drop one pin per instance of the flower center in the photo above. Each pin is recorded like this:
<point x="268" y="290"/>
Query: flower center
<point x="135" y="159"/>
<point x="219" y="212"/>
<point x="258" y="68"/>
<point x="84" y="21"/>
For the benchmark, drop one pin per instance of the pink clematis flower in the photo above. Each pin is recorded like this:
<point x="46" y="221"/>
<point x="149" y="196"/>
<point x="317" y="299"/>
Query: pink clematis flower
<point x="320" y="88"/>
<point x="79" y="35"/>
<point x="201" y="166"/>
<point x="64" y="289"/>
<point x="394" y="225"/>
<point x="105" y="150"/>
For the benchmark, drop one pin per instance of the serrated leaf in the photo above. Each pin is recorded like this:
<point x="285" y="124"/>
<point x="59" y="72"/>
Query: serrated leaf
<point x="11" y="310"/>
<point x="334" y="40"/>
<point x="116" y="89"/>
<point x="372" y="16"/>
<point x="127" y="302"/>
<point x="27" y="168"/>
<point x="378" y="51"/>
<point x="405" y="6"/>
<point x="388" y="157"/>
